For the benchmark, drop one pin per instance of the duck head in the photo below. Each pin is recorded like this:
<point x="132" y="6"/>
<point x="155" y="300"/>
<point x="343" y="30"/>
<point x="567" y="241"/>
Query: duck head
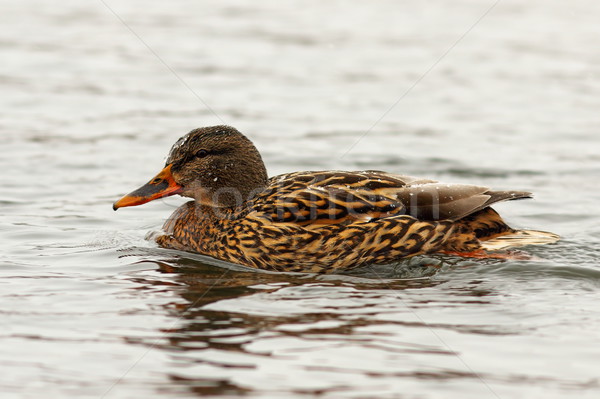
<point x="216" y="166"/>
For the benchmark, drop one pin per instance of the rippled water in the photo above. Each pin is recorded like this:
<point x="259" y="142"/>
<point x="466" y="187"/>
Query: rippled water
<point x="94" y="93"/>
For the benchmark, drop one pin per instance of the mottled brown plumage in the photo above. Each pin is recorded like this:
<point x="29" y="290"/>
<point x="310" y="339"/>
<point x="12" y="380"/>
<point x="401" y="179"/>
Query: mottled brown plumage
<point x="315" y="221"/>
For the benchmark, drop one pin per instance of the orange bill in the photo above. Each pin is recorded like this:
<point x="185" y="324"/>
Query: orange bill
<point x="162" y="185"/>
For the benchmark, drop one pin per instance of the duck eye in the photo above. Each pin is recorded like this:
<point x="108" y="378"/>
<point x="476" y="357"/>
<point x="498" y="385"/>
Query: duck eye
<point x="201" y="153"/>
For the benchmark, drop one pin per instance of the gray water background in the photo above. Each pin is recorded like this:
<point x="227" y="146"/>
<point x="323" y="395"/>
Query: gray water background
<point x="502" y="93"/>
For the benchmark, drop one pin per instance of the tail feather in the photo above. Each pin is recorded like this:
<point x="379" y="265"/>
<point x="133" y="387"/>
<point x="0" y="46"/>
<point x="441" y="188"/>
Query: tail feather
<point x="519" y="238"/>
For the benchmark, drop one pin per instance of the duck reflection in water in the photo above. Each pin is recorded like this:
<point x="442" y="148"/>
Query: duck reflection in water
<point x="226" y="310"/>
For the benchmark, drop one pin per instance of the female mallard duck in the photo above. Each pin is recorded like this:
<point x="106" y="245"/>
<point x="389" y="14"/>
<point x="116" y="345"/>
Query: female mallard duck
<point x="316" y="221"/>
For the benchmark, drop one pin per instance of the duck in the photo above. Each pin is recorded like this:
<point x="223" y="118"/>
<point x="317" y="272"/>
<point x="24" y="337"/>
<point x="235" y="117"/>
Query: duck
<point x="317" y="221"/>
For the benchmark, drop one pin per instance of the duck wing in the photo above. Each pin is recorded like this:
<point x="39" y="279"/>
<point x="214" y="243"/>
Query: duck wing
<point x="332" y="197"/>
<point x="441" y="201"/>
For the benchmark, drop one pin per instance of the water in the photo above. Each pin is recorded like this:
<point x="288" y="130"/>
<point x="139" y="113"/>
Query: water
<point x="90" y="309"/>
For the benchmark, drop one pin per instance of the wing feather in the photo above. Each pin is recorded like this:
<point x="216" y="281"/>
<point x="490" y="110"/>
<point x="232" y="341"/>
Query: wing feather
<point x="314" y="198"/>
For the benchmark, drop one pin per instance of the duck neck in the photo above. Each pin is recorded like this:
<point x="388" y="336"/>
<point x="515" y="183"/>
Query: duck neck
<point x="198" y="226"/>
<point x="215" y="215"/>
